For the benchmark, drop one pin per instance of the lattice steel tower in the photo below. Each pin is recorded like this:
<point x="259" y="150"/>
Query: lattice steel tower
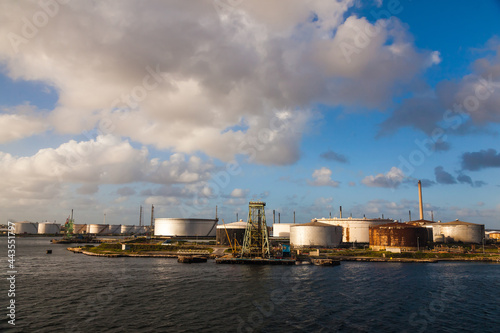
<point x="256" y="242"/>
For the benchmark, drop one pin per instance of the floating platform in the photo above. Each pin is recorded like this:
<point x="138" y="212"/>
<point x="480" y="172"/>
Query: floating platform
<point x="255" y="261"/>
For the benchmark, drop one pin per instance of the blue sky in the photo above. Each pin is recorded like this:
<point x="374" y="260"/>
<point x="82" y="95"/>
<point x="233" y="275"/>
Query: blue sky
<point x="105" y="107"/>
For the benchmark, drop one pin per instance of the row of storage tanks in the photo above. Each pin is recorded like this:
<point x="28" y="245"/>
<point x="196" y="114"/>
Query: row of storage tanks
<point x="163" y="227"/>
<point x="329" y="232"/>
<point x="98" y="229"/>
<point x="379" y="233"/>
<point x="109" y="229"/>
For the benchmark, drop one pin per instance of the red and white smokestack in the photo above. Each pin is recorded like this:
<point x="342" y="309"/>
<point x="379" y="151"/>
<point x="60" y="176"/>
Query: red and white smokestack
<point x="421" y="204"/>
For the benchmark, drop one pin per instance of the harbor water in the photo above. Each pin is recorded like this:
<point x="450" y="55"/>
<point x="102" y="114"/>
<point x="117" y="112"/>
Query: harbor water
<point x="66" y="292"/>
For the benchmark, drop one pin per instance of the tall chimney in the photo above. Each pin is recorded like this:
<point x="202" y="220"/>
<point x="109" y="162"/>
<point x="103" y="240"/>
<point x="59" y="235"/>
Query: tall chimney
<point x="293" y="217"/>
<point x="140" y="216"/>
<point x="216" y="212"/>
<point x="421" y="206"/>
<point x="279" y="217"/>
<point x="152" y="215"/>
<point x="274" y="216"/>
<point x="340" y="211"/>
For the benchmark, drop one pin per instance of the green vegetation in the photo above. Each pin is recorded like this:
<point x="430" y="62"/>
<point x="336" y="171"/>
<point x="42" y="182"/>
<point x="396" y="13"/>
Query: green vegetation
<point x="139" y="248"/>
<point x="142" y="240"/>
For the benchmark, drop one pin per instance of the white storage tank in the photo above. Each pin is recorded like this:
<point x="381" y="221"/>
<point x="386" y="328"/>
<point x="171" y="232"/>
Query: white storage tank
<point x="138" y="229"/>
<point x="79" y="228"/>
<point x="282" y="230"/>
<point x="495" y="235"/>
<point x="126" y="229"/>
<point x="97" y="229"/>
<point x="355" y="229"/>
<point x="235" y="231"/>
<point x="49" y="228"/>
<point x="185" y="227"/>
<point x="458" y="231"/>
<point x="114" y="229"/>
<point x="315" y="234"/>
<point x="25" y="228"/>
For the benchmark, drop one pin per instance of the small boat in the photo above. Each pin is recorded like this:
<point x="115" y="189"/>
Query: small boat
<point x="191" y="259"/>
<point x="49" y="251"/>
<point x="325" y="262"/>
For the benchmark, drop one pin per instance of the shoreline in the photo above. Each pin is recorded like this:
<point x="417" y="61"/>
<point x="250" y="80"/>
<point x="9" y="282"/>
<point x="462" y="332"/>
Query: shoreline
<point x="415" y="260"/>
<point x="341" y="258"/>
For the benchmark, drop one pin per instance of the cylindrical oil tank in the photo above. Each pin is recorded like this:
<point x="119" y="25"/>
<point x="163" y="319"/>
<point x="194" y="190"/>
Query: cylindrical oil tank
<point x="98" y="229"/>
<point x="282" y="230"/>
<point x="494" y="235"/>
<point x="235" y="230"/>
<point x="185" y="227"/>
<point x="48" y="228"/>
<point x="138" y="229"/>
<point x="114" y="229"/>
<point x="126" y="229"/>
<point x="25" y="228"/>
<point x="315" y="234"/>
<point x="79" y="228"/>
<point x="460" y="231"/>
<point x="403" y="236"/>
<point x="355" y="230"/>
<point x="425" y="224"/>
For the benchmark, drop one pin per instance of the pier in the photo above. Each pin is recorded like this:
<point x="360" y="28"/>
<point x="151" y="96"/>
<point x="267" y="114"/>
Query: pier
<point x="255" y="261"/>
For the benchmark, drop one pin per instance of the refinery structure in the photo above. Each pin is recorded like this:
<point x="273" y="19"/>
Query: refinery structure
<point x="253" y="238"/>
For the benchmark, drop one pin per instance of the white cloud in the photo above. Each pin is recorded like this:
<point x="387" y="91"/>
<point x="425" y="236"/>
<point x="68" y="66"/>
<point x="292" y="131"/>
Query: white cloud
<point x="106" y="160"/>
<point x="239" y="193"/>
<point x="189" y="78"/>
<point x="20" y="122"/>
<point x="323" y="177"/>
<point x="392" y="179"/>
<point x="390" y="209"/>
<point x="461" y="106"/>
<point x="236" y="202"/>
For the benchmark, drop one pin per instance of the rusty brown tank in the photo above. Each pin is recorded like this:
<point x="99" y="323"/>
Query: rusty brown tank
<point x="403" y="236"/>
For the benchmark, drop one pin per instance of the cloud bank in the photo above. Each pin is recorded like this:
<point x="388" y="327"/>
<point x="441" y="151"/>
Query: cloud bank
<point x="225" y="81"/>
